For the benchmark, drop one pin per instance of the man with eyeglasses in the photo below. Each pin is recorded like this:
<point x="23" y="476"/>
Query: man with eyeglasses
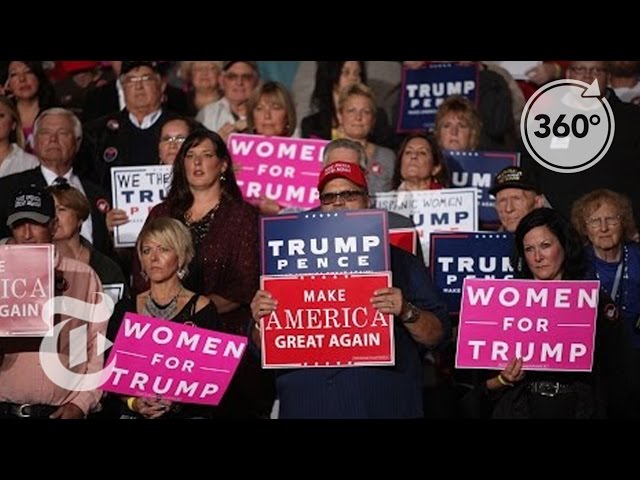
<point x="350" y="151"/>
<point x="618" y="170"/>
<point x="109" y="97"/>
<point x="128" y="137"/>
<point x="420" y="321"/>
<point x="229" y="114"/>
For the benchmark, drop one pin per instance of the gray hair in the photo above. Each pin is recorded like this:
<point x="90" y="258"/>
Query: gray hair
<point x="77" y="126"/>
<point x="349" y="144"/>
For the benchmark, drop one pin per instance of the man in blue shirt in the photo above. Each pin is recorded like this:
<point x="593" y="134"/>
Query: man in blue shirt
<point x="420" y="321"/>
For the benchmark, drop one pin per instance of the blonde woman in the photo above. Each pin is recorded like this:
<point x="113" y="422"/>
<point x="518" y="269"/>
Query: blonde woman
<point x="165" y="250"/>
<point x="202" y="83"/>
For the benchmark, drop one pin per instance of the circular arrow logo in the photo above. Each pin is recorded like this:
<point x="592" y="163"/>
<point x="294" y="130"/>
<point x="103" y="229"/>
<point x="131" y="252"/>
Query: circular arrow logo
<point x="77" y="352"/>
<point x="566" y="126"/>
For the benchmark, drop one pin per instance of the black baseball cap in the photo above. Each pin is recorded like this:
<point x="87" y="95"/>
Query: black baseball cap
<point x="33" y="204"/>
<point x="130" y="65"/>
<point x="227" y="65"/>
<point x="513" y="177"/>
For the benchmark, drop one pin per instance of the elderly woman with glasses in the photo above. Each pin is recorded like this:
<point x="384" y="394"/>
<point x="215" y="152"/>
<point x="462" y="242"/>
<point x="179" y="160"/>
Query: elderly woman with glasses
<point x="604" y="220"/>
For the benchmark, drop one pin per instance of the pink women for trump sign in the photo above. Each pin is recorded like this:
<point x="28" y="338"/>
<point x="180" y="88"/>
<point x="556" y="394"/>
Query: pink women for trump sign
<point x="282" y="169"/>
<point x="551" y="325"/>
<point x="153" y="357"/>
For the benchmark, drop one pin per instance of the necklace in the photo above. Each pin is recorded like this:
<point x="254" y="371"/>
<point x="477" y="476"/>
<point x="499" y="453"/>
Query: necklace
<point x="200" y="228"/>
<point x="166" y="311"/>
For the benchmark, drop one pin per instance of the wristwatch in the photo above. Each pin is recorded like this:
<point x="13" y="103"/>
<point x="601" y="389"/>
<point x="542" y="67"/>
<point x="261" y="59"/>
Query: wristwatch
<point x="412" y="314"/>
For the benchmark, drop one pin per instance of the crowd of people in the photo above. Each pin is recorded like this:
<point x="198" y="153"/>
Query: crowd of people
<point x="197" y="259"/>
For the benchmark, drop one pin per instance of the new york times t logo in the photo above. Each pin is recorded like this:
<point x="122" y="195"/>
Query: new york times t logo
<point x="51" y="350"/>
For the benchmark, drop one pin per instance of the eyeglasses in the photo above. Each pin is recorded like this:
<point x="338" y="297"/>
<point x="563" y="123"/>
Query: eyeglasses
<point x="244" y="77"/>
<point x="595" y="223"/>
<point x="347" y="196"/>
<point x="132" y="80"/>
<point x="584" y="70"/>
<point x="173" y="139"/>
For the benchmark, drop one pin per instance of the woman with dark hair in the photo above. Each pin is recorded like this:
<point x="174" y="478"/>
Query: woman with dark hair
<point x="549" y="248"/>
<point x="570" y="262"/>
<point x="420" y="164"/>
<point x="331" y="79"/>
<point x="205" y="197"/>
<point x="31" y="91"/>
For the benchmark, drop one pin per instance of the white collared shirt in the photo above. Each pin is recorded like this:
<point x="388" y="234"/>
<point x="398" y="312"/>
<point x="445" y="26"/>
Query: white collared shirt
<point x="120" y="89"/>
<point x="17" y="161"/>
<point x="49" y="176"/>
<point x="147" y="121"/>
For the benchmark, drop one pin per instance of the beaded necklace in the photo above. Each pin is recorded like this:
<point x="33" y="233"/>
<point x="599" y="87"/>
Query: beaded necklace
<point x="166" y="311"/>
<point x="200" y="228"/>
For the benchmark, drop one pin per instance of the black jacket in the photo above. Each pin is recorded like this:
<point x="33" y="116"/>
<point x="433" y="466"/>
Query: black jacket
<point x="318" y="125"/>
<point x="113" y="140"/>
<point x="104" y="101"/>
<point x="97" y="198"/>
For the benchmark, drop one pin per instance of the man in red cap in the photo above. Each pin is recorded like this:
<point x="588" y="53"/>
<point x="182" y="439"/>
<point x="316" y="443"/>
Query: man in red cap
<point x="420" y="320"/>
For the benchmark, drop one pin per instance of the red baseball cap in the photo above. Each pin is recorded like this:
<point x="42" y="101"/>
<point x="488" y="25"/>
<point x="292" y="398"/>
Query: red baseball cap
<point x="350" y="171"/>
<point x="78" y="66"/>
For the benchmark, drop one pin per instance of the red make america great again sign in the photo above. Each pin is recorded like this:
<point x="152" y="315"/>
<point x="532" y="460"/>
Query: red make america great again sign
<point x="326" y="321"/>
